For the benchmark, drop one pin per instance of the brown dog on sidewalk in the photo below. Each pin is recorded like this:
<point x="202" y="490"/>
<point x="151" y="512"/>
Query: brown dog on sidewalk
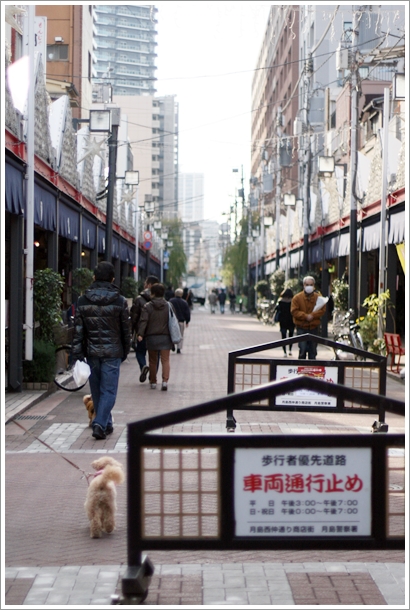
<point x="89" y="405"/>
<point x="100" y="503"/>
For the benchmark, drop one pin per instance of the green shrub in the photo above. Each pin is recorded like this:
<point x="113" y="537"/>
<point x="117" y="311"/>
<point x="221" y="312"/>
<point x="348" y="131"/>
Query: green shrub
<point x="340" y="294"/>
<point x="277" y="282"/>
<point x="82" y="278"/>
<point x="42" y="367"/>
<point x="262" y="288"/>
<point x="129" y="288"/>
<point x="47" y="288"/>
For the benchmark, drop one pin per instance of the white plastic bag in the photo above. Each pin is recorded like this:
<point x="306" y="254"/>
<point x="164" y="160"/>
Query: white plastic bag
<point x="81" y="372"/>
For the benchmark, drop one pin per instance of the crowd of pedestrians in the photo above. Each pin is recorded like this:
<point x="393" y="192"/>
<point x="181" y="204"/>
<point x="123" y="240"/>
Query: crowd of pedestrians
<point x="105" y="329"/>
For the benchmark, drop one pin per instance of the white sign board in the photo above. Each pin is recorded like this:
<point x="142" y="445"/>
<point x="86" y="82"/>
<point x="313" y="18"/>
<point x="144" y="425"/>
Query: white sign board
<point x="302" y="397"/>
<point x="303" y="491"/>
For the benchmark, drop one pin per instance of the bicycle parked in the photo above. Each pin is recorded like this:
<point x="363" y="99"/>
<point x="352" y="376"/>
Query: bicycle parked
<point x="347" y="332"/>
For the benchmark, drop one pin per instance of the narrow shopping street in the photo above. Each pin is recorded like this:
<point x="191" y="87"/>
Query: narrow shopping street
<point x="50" y="558"/>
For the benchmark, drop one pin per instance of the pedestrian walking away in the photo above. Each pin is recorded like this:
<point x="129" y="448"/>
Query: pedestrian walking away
<point x="222" y="299"/>
<point x="284" y="317"/>
<point x="153" y="327"/>
<point x="102" y="336"/>
<point x="183" y="314"/>
<point x="140" y="346"/>
<point x="213" y="299"/>
<point x="306" y="316"/>
<point x="187" y="295"/>
<point x="232" y="300"/>
<point x="169" y="293"/>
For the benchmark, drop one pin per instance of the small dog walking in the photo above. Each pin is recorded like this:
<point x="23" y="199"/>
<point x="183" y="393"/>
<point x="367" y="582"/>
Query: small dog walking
<point x="89" y="405"/>
<point x="100" y="503"/>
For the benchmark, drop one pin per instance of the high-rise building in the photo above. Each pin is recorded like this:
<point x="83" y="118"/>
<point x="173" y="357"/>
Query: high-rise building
<point x="125" y="47"/>
<point x="191" y="197"/>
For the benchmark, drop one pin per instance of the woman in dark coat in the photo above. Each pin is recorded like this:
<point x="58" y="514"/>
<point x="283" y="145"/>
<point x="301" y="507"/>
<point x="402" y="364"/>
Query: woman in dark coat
<point x="286" y="323"/>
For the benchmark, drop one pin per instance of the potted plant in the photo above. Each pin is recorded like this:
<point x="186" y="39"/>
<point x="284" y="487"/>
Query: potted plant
<point x="82" y="279"/>
<point x="340" y="294"/>
<point x="47" y="288"/>
<point x="129" y="289"/>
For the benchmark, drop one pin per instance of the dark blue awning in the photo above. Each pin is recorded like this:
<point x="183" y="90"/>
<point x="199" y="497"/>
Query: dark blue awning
<point x="44" y="208"/>
<point x="124" y="256"/>
<point x="101" y="240"/>
<point x="14" y="190"/>
<point x="88" y="233"/>
<point x="115" y="247"/>
<point x="68" y="222"/>
<point x="131" y="254"/>
<point x="315" y="254"/>
<point x="332" y="248"/>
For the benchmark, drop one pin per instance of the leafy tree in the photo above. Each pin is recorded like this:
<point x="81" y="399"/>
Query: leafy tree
<point x="177" y="265"/>
<point x="82" y="278"/>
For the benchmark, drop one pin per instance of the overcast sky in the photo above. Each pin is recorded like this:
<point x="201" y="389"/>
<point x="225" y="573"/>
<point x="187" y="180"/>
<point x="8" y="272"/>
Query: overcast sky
<point x="207" y="52"/>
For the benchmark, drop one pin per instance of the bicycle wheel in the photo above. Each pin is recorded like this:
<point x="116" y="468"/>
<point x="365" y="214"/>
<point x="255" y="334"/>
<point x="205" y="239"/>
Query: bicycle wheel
<point x="63" y="376"/>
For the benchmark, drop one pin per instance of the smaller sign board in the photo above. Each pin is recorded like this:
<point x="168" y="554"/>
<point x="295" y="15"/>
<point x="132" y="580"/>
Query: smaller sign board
<point x="147" y="235"/>
<point x="306" y="398"/>
<point x="147" y="245"/>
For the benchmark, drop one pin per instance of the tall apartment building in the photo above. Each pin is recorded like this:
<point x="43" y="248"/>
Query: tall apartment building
<point x="126" y="47"/>
<point x="191" y="209"/>
<point x="70" y="58"/>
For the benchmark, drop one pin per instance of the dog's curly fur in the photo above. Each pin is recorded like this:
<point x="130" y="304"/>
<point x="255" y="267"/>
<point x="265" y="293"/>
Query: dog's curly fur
<point x="100" y="503"/>
<point x="89" y="405"/>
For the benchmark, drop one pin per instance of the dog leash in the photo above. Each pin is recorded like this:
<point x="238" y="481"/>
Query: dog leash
<point x="85" y="474"/>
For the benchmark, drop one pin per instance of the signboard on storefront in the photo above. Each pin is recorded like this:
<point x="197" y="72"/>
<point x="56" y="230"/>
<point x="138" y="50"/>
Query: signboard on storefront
<point x="306" y="398"/>
<point x="303" y="491"/>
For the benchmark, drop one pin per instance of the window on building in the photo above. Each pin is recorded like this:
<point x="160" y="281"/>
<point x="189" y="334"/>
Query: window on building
<point x="57" y="52"/>
<point x="89" y="66"/>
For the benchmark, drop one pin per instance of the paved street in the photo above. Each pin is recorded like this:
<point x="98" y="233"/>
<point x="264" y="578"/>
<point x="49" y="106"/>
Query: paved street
<point x="49" y="556"/>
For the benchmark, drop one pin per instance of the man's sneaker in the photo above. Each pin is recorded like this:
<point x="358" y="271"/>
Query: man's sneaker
<point x="98" y="432"/>
<point x="109" y="430"/>
<point x="153" y="386"/>
<point x="144" y="373"/>
<point x="178" y="351"/>
<point x="164" y="387"/>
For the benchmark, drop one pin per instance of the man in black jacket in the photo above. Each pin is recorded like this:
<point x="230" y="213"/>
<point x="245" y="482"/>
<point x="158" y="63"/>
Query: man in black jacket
<point x="182" y="312"/>
<point x="102" y="335"/>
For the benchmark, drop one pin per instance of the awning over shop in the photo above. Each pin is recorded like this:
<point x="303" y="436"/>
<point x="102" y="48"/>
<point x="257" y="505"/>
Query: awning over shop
<point x="88" y="233"/>
<point x="14" y="190"/>
<point x="296" y="259"/>
<point x="270" y="267"/>
<point x="371" y="237"/>
<point x="115" y="247"/>
<point x="344" y="244"/>
<point x="124" y="254"/>
<point x="397" y="228"/>
<point x="315" y="254"/>
<point x="44" y="208"/>
<point x="332" y="248"/>
<point x="101" y="241"/>
<point x="68" y="222"/>
<point x="282" y="263"/>
<point x="131" y="254"/>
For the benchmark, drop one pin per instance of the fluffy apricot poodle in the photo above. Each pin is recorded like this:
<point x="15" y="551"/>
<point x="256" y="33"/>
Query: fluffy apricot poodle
<point x="89" y="405"/>
<point x="100" y="503"/>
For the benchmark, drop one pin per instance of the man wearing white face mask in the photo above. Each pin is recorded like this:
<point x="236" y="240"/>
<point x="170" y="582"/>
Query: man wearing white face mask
<point x="307" y="321"/>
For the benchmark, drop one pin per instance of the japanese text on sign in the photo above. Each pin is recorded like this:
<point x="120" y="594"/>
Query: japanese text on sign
<point x="303" y="492"/>
<point x="303" y="397"/>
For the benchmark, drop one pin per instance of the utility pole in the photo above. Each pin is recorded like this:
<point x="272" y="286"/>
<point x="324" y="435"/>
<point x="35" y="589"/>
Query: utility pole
<point x="353" y="170"/>
<point x="279" y="122"/>
<point x="306" y="164"/>
<point x="112" y="170"/>
<point x="382" y="247"/>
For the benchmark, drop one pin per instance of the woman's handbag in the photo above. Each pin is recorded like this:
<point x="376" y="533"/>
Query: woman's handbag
<point x="277" y="314"/>
<point x="173" y="326"/>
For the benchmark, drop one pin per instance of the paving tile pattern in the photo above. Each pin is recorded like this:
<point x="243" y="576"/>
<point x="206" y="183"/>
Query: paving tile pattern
<point x="334" y="589"/>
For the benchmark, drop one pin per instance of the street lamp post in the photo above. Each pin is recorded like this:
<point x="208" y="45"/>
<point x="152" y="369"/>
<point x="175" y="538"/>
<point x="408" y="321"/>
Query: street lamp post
<point x="289" y="199"/>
